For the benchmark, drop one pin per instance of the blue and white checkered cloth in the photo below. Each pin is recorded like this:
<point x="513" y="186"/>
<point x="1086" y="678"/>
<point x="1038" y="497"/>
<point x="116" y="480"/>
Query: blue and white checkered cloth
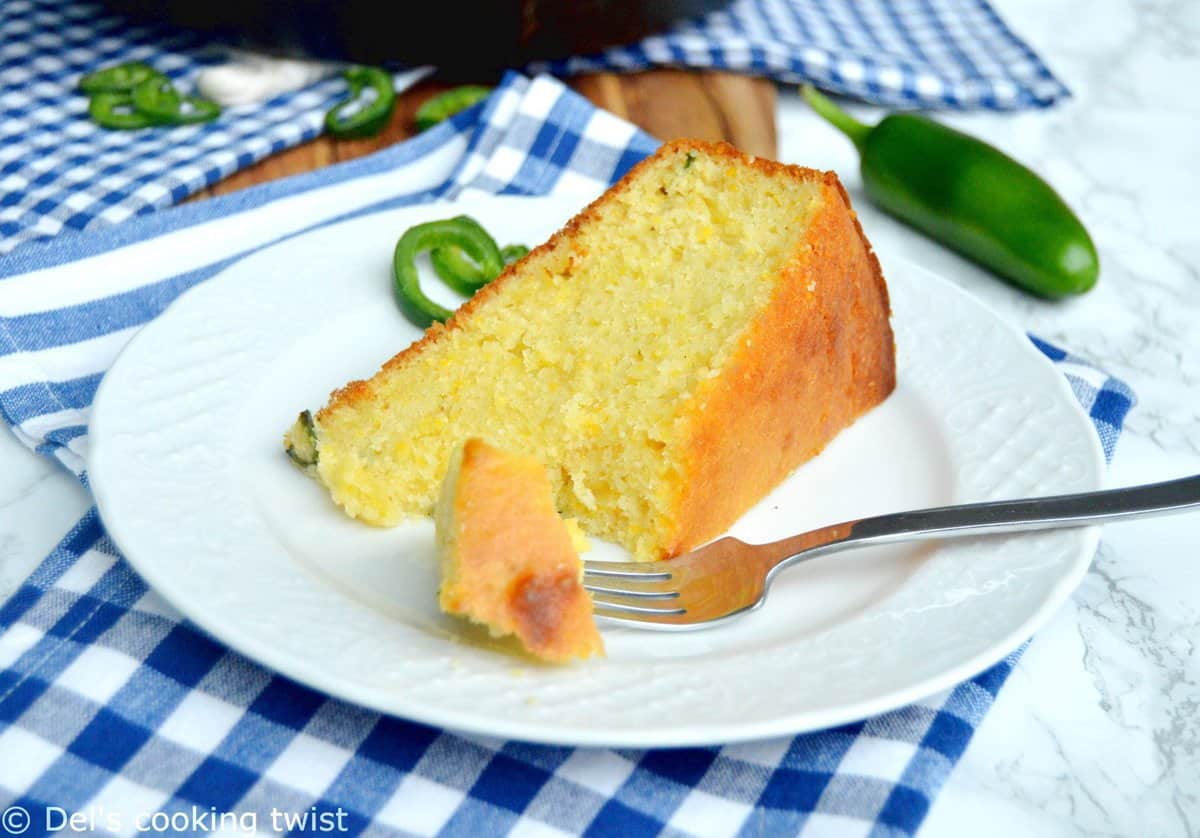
<point x="60" y="172"/>
<point x="113" y="706"/>
<point x="953" y="54"/>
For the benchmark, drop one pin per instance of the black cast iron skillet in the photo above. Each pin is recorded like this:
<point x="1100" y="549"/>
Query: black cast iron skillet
<point x="458" y="36"/>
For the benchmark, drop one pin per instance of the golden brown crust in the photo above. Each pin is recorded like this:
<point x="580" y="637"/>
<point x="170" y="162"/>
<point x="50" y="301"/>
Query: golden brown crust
<point x="819" y="355"/>
<point x="552" y="615"/>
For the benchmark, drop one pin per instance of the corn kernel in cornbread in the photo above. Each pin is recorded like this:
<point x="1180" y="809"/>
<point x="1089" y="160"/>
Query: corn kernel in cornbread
<point x="508" y="561"/>
<point x="705" y="326"/>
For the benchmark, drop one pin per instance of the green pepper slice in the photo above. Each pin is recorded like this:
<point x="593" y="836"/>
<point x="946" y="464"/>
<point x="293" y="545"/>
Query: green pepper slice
<point x="116" y="110"/>
<point x="457" y="270"/>
<point x="120" y="78"/>
<point x="461" y="232"/>
<point x="512" y="252"/>
<point x="353" y="118"/>
<point x="158" y="99"/>
<point x="303" y="450"/>
<point x="447" y="104"/>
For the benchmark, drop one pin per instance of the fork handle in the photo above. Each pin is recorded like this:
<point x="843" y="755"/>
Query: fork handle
<point x="1052" y="512"/>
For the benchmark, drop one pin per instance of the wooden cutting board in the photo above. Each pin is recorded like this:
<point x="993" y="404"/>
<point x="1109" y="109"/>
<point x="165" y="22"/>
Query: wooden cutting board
<point x="667" y="104"/>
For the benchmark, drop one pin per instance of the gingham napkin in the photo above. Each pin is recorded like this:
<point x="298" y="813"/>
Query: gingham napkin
<point x="110" y="703"/>
<point x="59" y="172"/>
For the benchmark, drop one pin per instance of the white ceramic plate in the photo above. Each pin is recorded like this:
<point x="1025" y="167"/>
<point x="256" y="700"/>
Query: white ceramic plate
<point x="193" y="485"/>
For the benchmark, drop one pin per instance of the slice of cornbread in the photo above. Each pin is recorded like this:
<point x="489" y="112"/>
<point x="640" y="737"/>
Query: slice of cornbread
<point x="508" y="561"/>
<point x="674" y="352"/>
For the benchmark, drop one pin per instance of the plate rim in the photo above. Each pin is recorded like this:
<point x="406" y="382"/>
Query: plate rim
<point x="284" y="663"/>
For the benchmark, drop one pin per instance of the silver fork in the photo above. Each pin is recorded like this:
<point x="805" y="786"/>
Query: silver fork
<point x="727" y="578"/>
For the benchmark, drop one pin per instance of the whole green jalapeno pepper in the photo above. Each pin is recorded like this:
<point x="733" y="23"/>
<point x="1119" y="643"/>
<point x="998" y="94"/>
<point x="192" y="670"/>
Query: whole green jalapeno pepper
<point x="972" y="197"/>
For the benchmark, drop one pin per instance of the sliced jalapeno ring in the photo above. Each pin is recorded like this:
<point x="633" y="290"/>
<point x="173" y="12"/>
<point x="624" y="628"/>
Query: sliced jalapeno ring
<point x="447" y="104"/>
<point x="460" y="272"/>
<point x="457" y="270"/>
<point x="461" y="232"/>
<point x="302" y="448"/>
<point x="120" y="78"/>
<point x="158" y="98"/>
<point x="512" y="252"/>
<point x="116" y="110"/>
<point x="353" y="117"/>
<point x="195" y="109"/>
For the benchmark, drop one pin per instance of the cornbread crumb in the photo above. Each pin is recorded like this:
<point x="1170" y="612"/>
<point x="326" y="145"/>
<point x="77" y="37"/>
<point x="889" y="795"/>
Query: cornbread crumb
<point x="671" y="355"/>
<point x="579" y="539"/>
<point x="507" y="559"/>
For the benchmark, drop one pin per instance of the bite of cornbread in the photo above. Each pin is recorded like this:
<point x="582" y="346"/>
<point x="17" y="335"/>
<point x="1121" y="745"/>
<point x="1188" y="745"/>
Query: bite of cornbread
<point x="508" y="562"/>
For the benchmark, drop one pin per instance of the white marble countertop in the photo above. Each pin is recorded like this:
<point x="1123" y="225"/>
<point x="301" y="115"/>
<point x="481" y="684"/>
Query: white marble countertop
<point x="1097" y="730"/>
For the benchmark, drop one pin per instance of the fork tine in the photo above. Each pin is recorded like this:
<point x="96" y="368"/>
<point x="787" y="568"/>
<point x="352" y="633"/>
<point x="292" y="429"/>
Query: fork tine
<point x="605" y="606"/>
<point x="636" y="593"/>
<point x="641" y="621"/>
<point x="625" y="570"/>
<point x="664" y="620"/>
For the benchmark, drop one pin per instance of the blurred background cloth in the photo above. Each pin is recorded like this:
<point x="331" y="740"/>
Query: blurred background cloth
<point x="60" y="172"/>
